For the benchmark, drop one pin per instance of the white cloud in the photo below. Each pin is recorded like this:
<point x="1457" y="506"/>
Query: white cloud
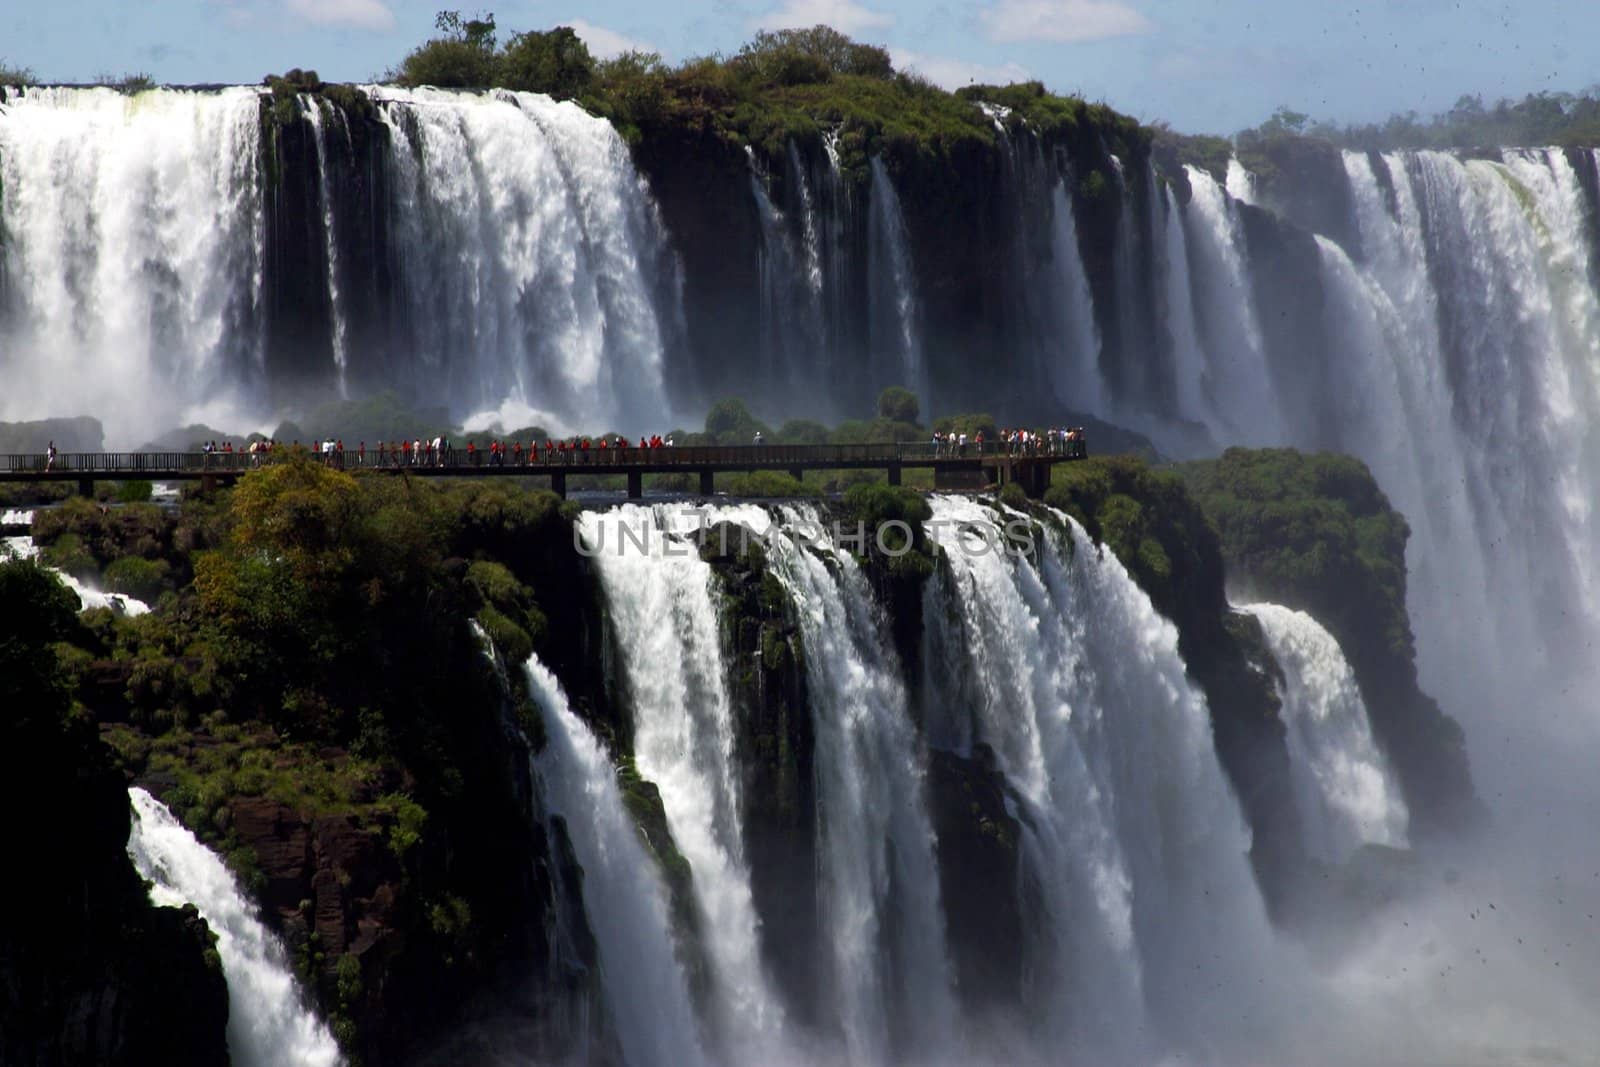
<point x="1062" y="20"/>
<point x="604" y="43"/>
<point x="948" y="73"/>
<point x="846" y="16"/>
<point x="362" y="14"/>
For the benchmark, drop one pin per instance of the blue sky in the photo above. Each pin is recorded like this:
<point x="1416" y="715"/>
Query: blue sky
<point x="1205" y="66"/>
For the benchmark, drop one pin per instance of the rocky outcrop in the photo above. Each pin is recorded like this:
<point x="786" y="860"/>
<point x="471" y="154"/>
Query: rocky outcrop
<point x="979" y="873"/>
<point x="1315" y="533"/>
<point x="90" y="971"/>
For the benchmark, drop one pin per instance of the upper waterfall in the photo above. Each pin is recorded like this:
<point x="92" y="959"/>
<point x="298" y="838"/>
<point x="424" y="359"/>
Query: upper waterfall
<point x="496" y="254"/>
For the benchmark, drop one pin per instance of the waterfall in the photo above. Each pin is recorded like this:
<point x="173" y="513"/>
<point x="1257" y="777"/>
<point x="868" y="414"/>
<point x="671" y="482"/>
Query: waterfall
<point x="312" y="109"/>
<point x="1189" y="359"/>
<point x="623" y="895"/>
<point x="268" y="1023"/>
<point x="1240" y="183"/>
<point x="135" y="227"/>
<point x="1479" y="277"/>
<point x="880" y="882"/>
<point x="1343" y="786"/>
<point x="893" y="302"/>
<point x="88" y="596"/>
<point x="1240" y="385"/>
<point x="1075" y="371"/>
<point x="792" y="330"/>
<point x="661" y="600"/>
<point x="524" y="240"/>
<point x="1135" y="843"/>
<point x="497" y="254"/>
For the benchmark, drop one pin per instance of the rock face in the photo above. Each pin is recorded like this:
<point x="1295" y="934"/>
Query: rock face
<point x="90" y="971"/>
<point x="978" y="876"/>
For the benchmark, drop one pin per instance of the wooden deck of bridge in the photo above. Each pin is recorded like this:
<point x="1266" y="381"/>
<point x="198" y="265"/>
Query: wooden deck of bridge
<point x="1031" y="471"/>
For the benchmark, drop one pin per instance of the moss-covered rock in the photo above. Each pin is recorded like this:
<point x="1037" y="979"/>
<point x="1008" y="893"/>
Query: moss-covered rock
<point x="1315" y="532"/>
<point x="979" y="876"/>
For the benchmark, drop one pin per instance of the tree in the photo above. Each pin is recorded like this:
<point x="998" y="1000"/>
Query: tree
<point x="731" y="423"/>
<point x="798" y="57"/>
<point x="10" y="75"/>
<point x="463" y="58"/>
<point x="556" y="62"/>
<point x="899" y="405"/>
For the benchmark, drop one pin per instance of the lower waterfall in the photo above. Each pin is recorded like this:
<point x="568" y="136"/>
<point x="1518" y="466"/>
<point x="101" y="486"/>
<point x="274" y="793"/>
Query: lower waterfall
<point x="660" y="596"/>
<point x="880" y="881"/>
<point x="268" y="1021"/>
<point x="1133" y="840"/>
<point x="1343" y="785"/>
<point x="644" y="983"/>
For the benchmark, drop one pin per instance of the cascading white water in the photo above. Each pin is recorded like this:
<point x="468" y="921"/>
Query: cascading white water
<point x="879" y="879"/>
<point x="893" y="299"/>
<point x="1188" y="358"/>
<point x="810" y="229"/>
<point x="312" y="109"/>
<point x="1478" y="277"/>
<point x="623" y="894"/>
<point x="1075" y="370"/>
<point x="88" y="596"/>
<point x="1240" y="389"/>
<point x="268" y="1021"/>
<point x="524" y="239"/>
<point x="661" y="598"/>
<point x="1343" y="785"/>
<point x="791" y="326"/>
<point x="1240" y="183"/>
<point x="525" y="261"/>
<point x="135" y="225"/>
<point x="1136" y="844"/>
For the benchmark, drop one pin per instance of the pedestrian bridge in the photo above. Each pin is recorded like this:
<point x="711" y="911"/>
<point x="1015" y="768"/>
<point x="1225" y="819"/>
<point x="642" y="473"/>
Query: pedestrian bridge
<point x="953" y="469"/>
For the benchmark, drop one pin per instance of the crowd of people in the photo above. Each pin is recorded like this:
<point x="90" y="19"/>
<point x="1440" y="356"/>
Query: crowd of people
<point x="439" y="451"/>
<point x="1068" y="442"/>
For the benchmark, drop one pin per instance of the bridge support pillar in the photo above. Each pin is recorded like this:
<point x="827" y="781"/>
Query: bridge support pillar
<point x="558" y="484"/>
<point x="708" y="483"/>
<point x="1034" y="478"/>
<point x="208" y="483"/>
<point x="894" y="474"/>
<point x="86" y="487"/>
<point x="797" y="473"/>
<point x="635" y="485"/>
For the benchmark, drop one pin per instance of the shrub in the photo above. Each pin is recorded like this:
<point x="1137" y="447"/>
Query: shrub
<point x="899" y="405"/>
<point x="134" y="492"/>
<point x="555" y="62"/>
<point x="768" y="484"/>
<point x="71" y="555"/>
<point x="132" y="576"/>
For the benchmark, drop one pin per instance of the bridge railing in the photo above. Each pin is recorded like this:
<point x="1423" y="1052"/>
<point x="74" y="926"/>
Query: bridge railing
<point x="702" y="457"/>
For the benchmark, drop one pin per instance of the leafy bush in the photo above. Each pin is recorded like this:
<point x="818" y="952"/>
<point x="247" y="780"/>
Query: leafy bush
<point x="132" y="576"/>
<point x="761" y="484"/>
<point x="555" y="62"/>
<point x="899" y="405"/>
<point x="134" y="492"/>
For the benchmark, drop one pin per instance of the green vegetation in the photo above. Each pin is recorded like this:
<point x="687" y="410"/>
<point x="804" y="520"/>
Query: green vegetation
<point x="1543" y="118"/>
<point x="768" y="485"/>
<point x="465" y="56"/>
<point x="899" y="405"/>
<point x="10" y="75"/>
<point x="129" y="84"/>
<point x="1317" y="524"/>
<point x="1147" y="518"/>
<point x="783" y="85"/>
